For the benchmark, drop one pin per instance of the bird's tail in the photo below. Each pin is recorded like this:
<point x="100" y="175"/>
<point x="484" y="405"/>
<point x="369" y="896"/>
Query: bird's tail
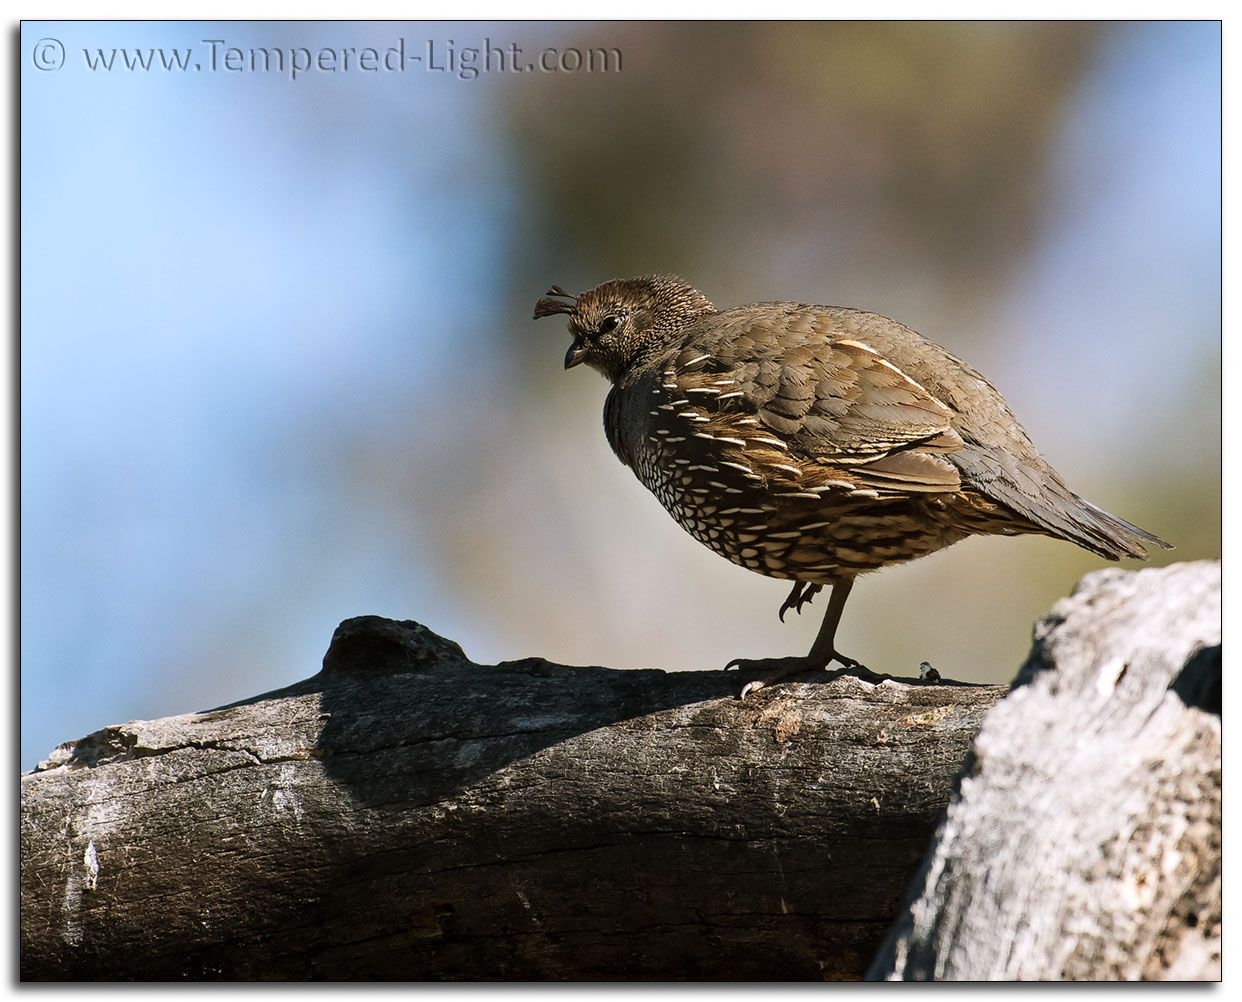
<point x="1112" y="536"/>
<point x="1029" y="487"/>
<point x="1063" y="514"/>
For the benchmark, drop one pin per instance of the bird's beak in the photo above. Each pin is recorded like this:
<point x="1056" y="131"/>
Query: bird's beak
<point x="576" y="355"/>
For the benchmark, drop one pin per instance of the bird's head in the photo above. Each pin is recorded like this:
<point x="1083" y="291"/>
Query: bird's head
<point x="619" y="322"/>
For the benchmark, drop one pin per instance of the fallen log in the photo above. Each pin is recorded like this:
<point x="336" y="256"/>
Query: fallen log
<point x="407" y="814"/>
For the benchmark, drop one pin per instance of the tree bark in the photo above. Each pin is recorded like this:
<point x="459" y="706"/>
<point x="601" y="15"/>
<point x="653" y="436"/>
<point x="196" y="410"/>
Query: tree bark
<point x="407" y="814"/>
<point x="1084" y="839"/>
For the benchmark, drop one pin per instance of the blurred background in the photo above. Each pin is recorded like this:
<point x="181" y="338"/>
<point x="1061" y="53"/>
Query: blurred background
<point x="278" y="367"/>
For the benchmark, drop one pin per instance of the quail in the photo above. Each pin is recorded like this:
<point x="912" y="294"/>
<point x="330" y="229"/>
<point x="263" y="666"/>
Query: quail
<point x="815" y="443"/>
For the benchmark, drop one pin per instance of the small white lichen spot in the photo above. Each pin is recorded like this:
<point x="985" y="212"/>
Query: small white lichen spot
<point x="91" y="859"/>
<point x="72" y="932"/>
<point x="71" y="905"/>
<point x="285" y="795"/>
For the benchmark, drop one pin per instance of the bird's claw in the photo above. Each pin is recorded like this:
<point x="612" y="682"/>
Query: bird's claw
<point x="782" y="668"/>
<point x="861" y="671"/>
<point x="800" y="595"/>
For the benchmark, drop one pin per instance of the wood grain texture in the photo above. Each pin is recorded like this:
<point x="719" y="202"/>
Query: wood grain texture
<point x="1084" y="841"/>
<point x="408" y="814"/>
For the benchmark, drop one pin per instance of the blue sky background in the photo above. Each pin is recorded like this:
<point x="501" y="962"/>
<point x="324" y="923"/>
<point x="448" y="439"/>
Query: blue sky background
<point x="230" y="281"/>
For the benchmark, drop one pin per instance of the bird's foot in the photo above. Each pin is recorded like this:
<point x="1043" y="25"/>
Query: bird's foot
<point x="780" y="668"/>
<point x="801" y="595"/>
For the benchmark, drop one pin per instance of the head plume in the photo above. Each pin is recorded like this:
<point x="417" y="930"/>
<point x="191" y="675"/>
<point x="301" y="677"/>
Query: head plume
<point x="549" y="306"/>
<point x="620" y="322"/>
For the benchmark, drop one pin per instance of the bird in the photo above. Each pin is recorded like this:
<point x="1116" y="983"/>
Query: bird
<point x="815" y="443"/>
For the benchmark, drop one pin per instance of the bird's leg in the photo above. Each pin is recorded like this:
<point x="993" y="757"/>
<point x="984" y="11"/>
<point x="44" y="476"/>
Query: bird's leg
<point x="801" y="595"/>
<point x="823" y="652"/>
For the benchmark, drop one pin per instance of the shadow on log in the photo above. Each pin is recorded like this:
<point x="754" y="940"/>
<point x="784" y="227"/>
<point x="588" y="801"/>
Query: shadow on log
<point x="408" y="814"/>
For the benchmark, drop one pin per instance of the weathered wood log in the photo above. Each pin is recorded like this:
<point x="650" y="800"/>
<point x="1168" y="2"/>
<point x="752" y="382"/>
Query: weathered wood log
<point x="1084" y="840"/>
<point x="408" y="814"/>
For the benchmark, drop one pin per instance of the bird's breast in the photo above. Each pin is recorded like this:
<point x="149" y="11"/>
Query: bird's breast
<point x="734" y="485"/>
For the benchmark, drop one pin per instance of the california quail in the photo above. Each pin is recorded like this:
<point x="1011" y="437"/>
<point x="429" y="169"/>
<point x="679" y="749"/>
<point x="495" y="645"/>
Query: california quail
<point x="814" y="443"/>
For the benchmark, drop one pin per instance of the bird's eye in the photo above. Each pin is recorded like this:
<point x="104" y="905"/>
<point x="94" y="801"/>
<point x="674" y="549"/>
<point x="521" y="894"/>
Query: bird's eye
<point x="609" y="324"/>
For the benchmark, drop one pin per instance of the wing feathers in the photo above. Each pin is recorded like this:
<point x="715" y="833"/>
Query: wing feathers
<point x="839" y="408"/>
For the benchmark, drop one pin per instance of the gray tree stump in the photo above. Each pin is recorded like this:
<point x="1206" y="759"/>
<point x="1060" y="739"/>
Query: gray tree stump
<point x="1084" y="841"/>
